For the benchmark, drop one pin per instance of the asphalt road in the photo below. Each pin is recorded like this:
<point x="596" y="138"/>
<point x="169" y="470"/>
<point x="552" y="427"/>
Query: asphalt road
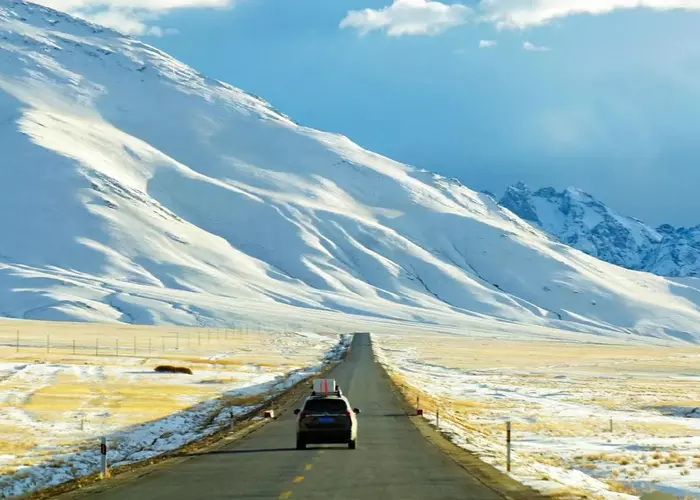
<point x="392" y="460"/>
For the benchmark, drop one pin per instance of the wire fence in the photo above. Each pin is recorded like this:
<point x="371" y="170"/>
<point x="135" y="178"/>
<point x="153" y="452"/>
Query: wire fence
<point x="124" y="344"/>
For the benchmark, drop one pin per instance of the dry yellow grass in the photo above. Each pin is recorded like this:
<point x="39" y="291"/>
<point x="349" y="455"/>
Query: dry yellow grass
<point x="580" y="380"/>
<point x="243" y="400"/>
<point x="110" y="391"/>
<point x="618" y="487"/>
<point x="472" y="353"/>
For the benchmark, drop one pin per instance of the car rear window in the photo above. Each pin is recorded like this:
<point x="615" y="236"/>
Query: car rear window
<point x="326" y="406"/>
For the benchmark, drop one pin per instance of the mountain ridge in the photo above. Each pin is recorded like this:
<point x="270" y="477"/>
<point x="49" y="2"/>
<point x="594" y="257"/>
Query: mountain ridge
<point x="578" y="219"/>
<point x="135" y="189"/>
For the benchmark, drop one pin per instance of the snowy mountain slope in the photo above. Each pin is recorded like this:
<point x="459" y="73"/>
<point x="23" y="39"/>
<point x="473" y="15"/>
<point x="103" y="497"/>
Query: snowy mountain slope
<point x="134" y="189"/>
<point x="578" y="219"/>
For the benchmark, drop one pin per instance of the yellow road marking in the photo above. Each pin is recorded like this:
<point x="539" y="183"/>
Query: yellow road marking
<point x="285" y="495"/>
<point x="308" y="467"/>
<point x="298" y="479"/>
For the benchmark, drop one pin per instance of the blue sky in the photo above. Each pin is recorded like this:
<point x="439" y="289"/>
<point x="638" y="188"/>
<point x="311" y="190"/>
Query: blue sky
<point x="611" y="104"/>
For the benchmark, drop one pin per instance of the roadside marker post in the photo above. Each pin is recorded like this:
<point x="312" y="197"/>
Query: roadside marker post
<point x="104" y="473"/>
<point x="508" y="426"/>
<point x="17" y="340"/>
<point x="269" y="414"/>
<point x="419" y="410"/>
<point x="611" y="424"/>
<point x="437" y="418"/>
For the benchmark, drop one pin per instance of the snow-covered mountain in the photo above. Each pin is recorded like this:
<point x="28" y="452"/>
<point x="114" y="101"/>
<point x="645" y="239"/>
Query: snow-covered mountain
<point x="578" y="219"/>
<point x="134" y="189"/>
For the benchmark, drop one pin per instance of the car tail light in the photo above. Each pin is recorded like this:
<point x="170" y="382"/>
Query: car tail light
<point x="348" y="413"/>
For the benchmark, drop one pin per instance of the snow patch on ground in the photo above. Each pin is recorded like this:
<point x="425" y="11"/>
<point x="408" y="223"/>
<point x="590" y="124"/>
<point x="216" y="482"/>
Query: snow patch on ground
<point x="68" y="446"/>
<point x="561" y="417"/>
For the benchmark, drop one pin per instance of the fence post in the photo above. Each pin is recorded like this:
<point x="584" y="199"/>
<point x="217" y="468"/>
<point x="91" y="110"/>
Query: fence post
<point x="17" y="340"/>
<point x="508" y="446"/>
<point x="233" y="420"/>
<point x="48" y="343"/>
<point x="104" y="473"/>
<point x="97" y="347"/>
<point x="611" y="424"/>
<point x="177" y="341"/>
<point x="117" y="347"/>
<point x="134" y="345"/>
<point x="73" y="347"/>
<point x="437" y="415"/>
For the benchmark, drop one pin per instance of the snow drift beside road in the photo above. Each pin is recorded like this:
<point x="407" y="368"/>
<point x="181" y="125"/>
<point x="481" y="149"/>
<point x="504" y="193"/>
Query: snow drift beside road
<point x="134" y="189"/>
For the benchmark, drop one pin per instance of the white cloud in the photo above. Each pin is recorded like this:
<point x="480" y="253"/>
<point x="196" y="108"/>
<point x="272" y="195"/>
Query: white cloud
<point x="535" y="48"/>
<point x="430" y="17"/>
<point x="126" y="21"/>
<point x="524" y="13"/>
<point x="485" y="44"/>
<point x="408" y="17"/>
<point x="129" y="16"/>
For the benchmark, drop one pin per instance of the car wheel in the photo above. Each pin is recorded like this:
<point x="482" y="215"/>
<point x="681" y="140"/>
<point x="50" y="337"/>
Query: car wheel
<point x="301" y="445"/>
<point x="352" y="444"/>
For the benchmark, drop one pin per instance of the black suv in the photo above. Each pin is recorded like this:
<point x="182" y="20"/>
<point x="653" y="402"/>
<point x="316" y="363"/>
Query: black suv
<point x="326" y="419"/>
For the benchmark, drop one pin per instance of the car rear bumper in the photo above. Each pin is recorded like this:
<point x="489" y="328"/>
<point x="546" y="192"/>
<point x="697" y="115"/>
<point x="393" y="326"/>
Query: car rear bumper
<point x="325" y="436"/>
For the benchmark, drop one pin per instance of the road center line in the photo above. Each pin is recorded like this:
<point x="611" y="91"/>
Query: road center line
<point x="285" y="495"/>
<point x="298" y="479"/>
<point x="308" y="467"/>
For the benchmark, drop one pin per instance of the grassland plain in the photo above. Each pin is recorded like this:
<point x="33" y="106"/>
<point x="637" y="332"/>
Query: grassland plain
<point x="63" y="385"/>
<point x="603" y="420"/>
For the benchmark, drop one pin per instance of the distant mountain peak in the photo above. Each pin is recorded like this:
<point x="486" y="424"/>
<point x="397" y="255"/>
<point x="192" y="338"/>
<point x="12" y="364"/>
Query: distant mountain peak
<point x="518" y="199"/>
<point x="578" y="219"/>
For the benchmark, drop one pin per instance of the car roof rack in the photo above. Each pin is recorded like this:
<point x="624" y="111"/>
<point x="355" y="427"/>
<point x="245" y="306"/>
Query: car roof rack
<point x="337" y="392"/>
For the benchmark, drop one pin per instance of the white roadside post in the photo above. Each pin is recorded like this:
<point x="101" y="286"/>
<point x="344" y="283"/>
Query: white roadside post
<point x="508" y="446"/>
<point x="611" y="424"/>
<point x="437" y="418"/>
<point x="104" y="473"/>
